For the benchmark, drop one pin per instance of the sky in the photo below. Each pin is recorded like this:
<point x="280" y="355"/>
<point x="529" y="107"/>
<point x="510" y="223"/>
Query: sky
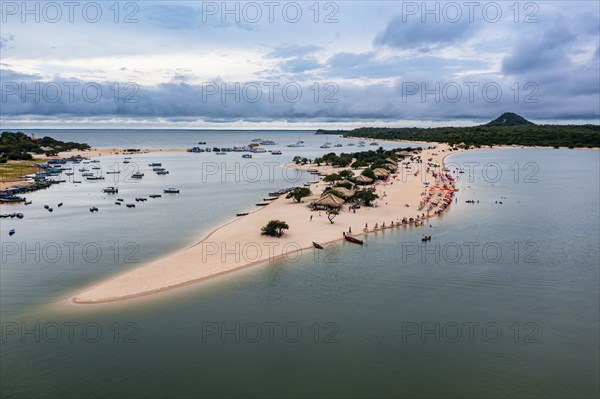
<point x="296" y="65"/>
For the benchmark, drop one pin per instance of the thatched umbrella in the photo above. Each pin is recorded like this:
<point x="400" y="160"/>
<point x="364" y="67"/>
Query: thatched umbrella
<point x="380" y="172"/>
<point x="344" y="192"/>
<point x="330" y="200"/>
<point x="363" y="179"/>
<point x="391" y="166"/>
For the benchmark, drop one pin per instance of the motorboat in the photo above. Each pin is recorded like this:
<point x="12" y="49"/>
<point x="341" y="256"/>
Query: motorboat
<point x="110" y="190"/>
<point x="171" y="191"/>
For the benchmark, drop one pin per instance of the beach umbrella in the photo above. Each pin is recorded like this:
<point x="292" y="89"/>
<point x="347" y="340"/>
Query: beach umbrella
<point x="330" y="200"/>
<point x="380" y="172"/>
<point x="363" y="179"/>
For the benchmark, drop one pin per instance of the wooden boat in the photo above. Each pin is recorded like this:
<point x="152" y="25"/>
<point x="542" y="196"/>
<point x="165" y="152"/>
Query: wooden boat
<point x="60" y="204"/>
<point x="130" y="205"/>
<point x="353" y="240"/>
<point x="155" y="196"/>
<point x="93" y="209"/>
<point x="110" y="190"/>
<point x="171" y="191"/>
<point x="141" y="199"/>
<point x="12" y="198"/>
<point x="137" y="175"/>
<point x="317" y="245"/>
<point x="162" y="172"/>
<point x="118" y="202"/>
<point x="426" y="238"/>
<point x="112" y="172"/>
<point x="241" y="214"/>
<point x="262" y="204"/>
<point x="11" y="232"/>
<point x="270" y="199"/>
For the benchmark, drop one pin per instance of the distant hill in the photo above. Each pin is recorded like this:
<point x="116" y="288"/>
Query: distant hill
<point x="509" y="119"/>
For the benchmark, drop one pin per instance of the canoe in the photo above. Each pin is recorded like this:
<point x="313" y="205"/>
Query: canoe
<point x="262" y="204"/>
<point x="241" y="214"/>
<point x="317" y="245"/>
<point x="353" y="240"/>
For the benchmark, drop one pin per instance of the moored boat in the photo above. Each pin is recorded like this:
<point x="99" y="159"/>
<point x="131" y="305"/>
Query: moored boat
<point x="353" y="240"/>
<point x="317" y="245"/>
<point x="171" y="191"/>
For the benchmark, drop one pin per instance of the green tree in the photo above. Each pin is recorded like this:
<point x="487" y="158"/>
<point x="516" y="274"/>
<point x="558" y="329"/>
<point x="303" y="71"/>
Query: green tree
<point x="369" y="173"/>
<point x="274" y="228"/>
<point x="365" y="196"/>
<point x="332" y="178"/>
<point x="331" y="214"/>
<point x="298" y="193"/>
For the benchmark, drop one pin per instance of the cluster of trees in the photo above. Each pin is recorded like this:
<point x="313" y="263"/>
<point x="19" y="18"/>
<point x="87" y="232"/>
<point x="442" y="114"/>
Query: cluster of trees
<point x="477" y="136"/>
<point x="371" y="158"/>
<point x="19" y="146"/>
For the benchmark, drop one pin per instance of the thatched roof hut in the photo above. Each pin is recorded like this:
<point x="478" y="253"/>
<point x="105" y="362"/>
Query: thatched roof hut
<point x="363" y="179"/>
<point x="344" y="192"/>
<point x="381" y="172"/>
<point x="330" y="200"/>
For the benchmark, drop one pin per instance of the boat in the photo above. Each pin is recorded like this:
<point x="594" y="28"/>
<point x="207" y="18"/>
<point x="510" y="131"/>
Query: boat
<point x="12" y="198"/>
<point x="94" y="178"/>
<point x="221" y="153"/>
<point x="296" y="144"/>
<point x="247" y="156"/>
<point x="118" y="202"/>
<point x="110" y="190"/>
<point x="93" y="209"/>
<point x="277" y="152"/>
<point x="202" y="142"/>
<point x="171" y="191"/>
<point x="317" y="245"/>
<point x="112" y="172"/>
<point x="262" y="204"/>
<point x="374" y="143"/>
<point x="96" y="167"/>
<point x="350" y="144"/>
<point x="120" y="199"/>
<point x="137" y="175"/>
<point x="338" y="145"/>
<point x="28" y="202"/>
<point x="155" y="196"/>
<point x="155" y="164"/>
<point x="307" y="184"/>
<point x="126" y="161"/>
<point x="326" y="145"/>
<point x="140" y="199"/>
<point x="46" y="206"/>
<point x="258" y="150"/>
<point x="60" y="204"/>
<point x="87" y="174"/>
<point x="162" y="172"/>
<point x="50" y="210"/>
<point x="241" y="214"/>
<point x="11" y="232"/>
<point x="69" y="173"/>
<point x="76" y="181"/>
<point x="353" y="240"/>
<point x="426" y="238"/>
<point x="130" y="205"/>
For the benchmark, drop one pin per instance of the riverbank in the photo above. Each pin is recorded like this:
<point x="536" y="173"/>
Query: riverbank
<point x="238" y="244"/>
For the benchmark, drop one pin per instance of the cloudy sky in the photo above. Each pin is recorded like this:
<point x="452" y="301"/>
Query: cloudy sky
<point x="297" y="64"/>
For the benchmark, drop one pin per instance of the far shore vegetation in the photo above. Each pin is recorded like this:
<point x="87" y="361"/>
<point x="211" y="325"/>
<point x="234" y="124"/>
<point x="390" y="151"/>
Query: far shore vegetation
<point x="507" y="129"/>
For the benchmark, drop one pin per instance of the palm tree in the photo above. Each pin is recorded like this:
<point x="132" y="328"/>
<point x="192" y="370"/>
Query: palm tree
<point x="274" y="228"/>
